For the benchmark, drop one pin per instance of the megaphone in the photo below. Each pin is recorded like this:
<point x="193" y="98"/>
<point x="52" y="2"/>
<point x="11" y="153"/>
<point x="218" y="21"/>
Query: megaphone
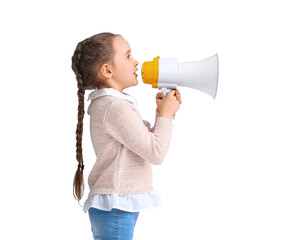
<point x="168" y="73"/>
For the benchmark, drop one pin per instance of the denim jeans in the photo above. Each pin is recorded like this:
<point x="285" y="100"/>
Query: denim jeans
<point x="114" y="224"/>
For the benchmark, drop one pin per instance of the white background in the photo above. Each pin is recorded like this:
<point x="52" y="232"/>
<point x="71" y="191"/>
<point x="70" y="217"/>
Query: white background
<point x="225" y="175"/>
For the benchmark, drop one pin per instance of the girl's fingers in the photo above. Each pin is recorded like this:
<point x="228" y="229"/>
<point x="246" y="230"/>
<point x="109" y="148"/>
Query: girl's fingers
<point x="178" y="96"/>
<point x="179" y="99"/>
<point x="159" y="95"/>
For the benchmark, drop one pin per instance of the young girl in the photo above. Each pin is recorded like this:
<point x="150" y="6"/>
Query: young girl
<point x="120" y="181"/>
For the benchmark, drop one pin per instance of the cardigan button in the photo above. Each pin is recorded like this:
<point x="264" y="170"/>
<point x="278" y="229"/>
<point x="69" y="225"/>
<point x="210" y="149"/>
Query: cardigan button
<point x="119" y="211"/>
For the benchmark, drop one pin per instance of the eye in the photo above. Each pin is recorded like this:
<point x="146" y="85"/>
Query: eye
<point x="128" y="56"/>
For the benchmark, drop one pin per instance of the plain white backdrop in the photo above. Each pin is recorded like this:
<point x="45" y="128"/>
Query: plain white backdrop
<point x="225" y="175"/>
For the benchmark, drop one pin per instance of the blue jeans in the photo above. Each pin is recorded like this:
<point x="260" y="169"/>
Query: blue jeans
<point x="114" y="224"/>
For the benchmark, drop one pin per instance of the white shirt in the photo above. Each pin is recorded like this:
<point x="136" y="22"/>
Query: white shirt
<point x="131" y="202"/>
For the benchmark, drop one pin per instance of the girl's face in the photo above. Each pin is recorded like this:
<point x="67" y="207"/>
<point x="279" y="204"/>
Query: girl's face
<point x="124" y="65"/>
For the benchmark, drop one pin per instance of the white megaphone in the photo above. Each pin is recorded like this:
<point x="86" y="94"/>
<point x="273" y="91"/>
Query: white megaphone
<point x="168" y="73"/>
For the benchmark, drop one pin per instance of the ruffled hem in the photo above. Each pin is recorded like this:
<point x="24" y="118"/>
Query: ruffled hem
<point x="135" y="202"/>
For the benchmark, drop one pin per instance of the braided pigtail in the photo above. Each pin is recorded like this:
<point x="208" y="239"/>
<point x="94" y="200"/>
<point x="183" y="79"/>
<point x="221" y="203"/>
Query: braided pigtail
<point x="78" y="179"/>
<point x="86" y="61"/>
<point x="78" y="184"/>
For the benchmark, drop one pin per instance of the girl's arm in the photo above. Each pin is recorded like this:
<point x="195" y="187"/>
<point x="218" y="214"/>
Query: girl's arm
<point x="124" y="124"/>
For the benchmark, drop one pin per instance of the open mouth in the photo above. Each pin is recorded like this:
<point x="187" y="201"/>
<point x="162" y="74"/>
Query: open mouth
<point x="136" y="73"/>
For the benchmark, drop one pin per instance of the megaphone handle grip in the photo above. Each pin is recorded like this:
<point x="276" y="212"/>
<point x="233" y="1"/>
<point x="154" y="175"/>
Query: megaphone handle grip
<point x="166" y="91"/>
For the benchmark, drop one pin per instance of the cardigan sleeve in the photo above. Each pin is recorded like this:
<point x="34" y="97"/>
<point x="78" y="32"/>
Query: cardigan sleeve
<point x="125" y="125"/>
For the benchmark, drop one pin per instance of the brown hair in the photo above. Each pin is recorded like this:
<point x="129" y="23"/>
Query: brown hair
<point x="88" y="56"/>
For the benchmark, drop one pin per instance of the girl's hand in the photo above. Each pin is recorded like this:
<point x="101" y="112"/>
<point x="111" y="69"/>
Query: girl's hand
<point x="178" y="96"/>
<point x="169" y="105"/>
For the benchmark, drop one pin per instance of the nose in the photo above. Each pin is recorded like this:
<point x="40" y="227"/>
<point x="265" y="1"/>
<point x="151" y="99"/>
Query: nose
<point x="136" y="62"/>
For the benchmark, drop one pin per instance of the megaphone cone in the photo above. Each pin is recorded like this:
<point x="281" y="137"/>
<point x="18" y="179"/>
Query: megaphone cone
<point x="168" y="73"/>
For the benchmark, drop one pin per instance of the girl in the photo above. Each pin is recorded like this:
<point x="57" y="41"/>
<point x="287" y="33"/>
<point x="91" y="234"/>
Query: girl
<point x="120" y="181"/>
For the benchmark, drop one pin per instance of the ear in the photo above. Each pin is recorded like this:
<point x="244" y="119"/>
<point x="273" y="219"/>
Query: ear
<point x="106" y="70"/>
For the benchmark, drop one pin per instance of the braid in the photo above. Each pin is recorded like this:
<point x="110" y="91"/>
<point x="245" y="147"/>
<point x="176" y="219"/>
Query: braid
<point x="76" y="63"/>
<point x="79" y="130"/>
<point x="78" y="184"/>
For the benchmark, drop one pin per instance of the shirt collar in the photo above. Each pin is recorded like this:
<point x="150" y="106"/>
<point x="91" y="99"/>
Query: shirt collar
<point x="112" y="92"/>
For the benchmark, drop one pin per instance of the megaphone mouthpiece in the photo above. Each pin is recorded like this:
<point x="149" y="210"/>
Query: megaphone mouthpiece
<point x="150" y="72"/>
